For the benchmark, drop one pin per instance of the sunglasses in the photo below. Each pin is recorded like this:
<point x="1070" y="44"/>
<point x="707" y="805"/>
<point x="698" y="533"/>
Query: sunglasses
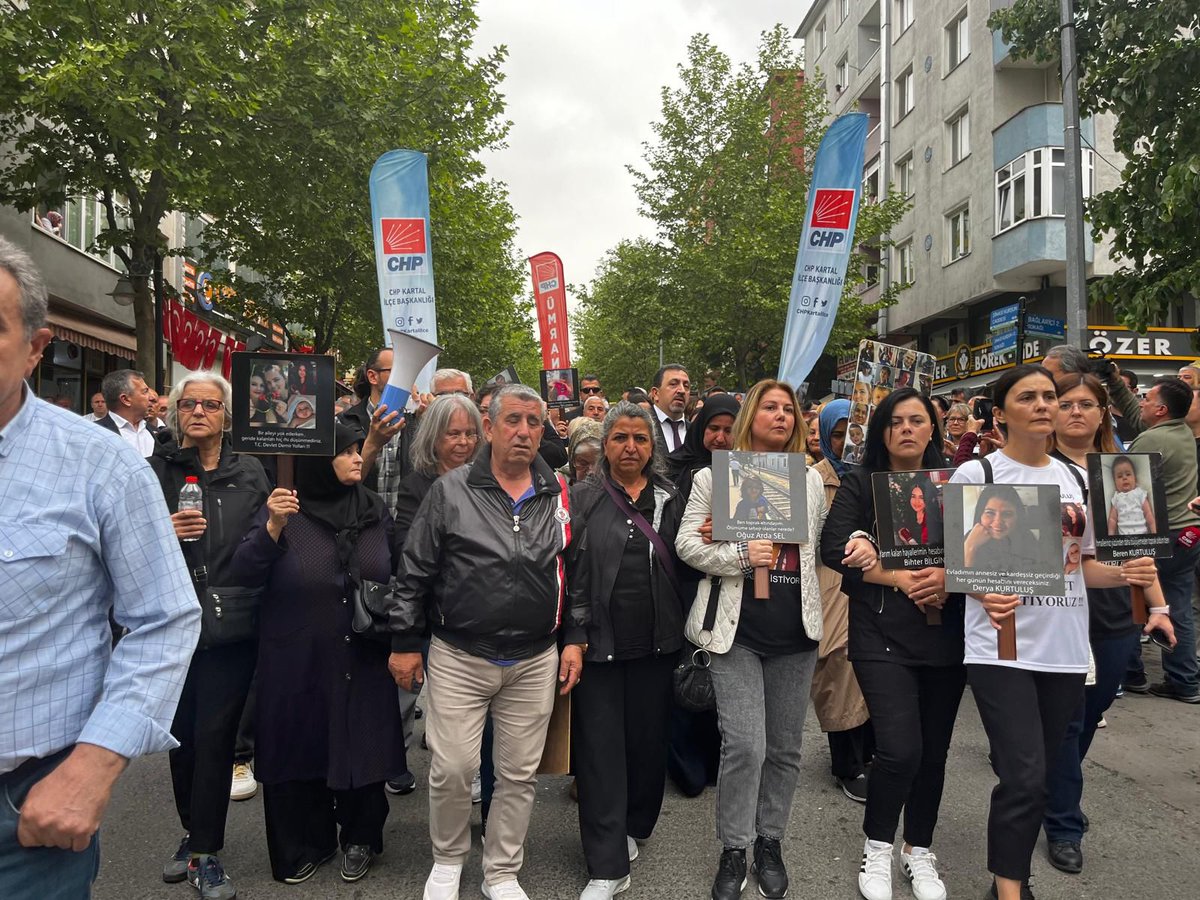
<point x="188" y="404"/>
<point x="589" y="390"/>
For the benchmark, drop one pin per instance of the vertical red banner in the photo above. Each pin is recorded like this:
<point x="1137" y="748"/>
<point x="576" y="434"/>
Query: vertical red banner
<point x="550" y="295"/>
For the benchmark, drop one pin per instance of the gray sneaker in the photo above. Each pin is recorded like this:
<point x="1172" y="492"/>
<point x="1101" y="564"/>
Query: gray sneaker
<point x="208" y="876"/>
<point x="175" y="870"/>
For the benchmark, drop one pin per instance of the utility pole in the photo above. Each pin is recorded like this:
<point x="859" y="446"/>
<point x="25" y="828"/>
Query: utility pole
<point x="1076" y="311"/>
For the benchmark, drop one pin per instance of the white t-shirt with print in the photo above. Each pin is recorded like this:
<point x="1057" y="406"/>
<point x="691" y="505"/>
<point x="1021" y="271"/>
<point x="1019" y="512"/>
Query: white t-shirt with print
<point x="1052" y="632"/>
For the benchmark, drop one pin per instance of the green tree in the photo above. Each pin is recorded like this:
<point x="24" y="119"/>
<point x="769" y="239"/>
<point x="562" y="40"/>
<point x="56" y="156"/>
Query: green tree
<point x="726" y="182"/>
<point x="1139" y="61"/>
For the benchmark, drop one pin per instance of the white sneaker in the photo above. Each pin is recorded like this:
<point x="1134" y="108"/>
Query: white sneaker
<point x="875" y="874"/>
<point x="632" y="846"/>
<point x="244" y="786"/>
<point x="442" y="883"/>
<point x="477" y="788"/>
<point x="604" y="888"/>
<point x="505" y="890"/>
<point x="920" y="867"/>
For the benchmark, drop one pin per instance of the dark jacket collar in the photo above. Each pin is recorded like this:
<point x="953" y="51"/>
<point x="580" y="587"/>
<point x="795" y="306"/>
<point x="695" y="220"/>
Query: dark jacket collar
<point x="189" y="457"/>
<point x="480" y="476"/>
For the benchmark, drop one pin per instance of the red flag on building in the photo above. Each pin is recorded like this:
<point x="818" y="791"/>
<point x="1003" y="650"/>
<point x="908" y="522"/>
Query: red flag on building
<point x="550" y="295"/>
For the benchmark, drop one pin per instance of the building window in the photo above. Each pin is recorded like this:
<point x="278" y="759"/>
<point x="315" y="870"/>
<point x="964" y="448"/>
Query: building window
<point x="1032" y="186"/>
<point x="820" y="35"/>
<point x="870" y="275"/>
<point x="904" y="262"/>
<point x="958" y="233"/>
<point x="904" y="175"/>
<point x="78" y="222"/>
<point x="870" y="188"/>
<point x="904" y="94"/>
<point x="843" y="10"/>
<point x="904" y="15"/>
<point x="958" y="132"/>
<point x="843" y="74"/>
<point x="958" y="40"/>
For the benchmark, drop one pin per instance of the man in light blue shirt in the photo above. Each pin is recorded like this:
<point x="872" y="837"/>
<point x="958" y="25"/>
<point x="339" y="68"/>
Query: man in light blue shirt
<point x="84" y="530"/>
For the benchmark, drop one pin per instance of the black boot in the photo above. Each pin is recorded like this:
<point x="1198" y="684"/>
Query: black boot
<point x="768" y="868"/>
<point x="731" y="874"/>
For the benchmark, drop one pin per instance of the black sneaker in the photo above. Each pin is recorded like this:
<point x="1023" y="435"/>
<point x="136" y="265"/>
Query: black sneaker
<point x="1170" y="691"/>
<point x="176" y="868"/>
<point x="1066" y="856"/>
<point x="208" y="877"/>
<point x="768" y="868"/>
<point x="731" y="874"/>
<point x="405" y="784"/>
<point x="854" y="788"/>
<point x="356" y="861"/>
<point x="309" y="869"/>
<point x="1026" y="891"/>
<point x="1137" y="685"/>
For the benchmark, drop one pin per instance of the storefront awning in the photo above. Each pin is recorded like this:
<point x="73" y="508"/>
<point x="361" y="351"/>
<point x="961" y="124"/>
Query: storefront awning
<point x="92" y="335"/>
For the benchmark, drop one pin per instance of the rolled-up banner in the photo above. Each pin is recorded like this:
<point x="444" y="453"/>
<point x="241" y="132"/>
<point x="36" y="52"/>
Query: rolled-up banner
<point x="409" y="356"/>
<point x="399" y="186"/>
<point x="825" y="246"/>
<point x="550" y="295"/>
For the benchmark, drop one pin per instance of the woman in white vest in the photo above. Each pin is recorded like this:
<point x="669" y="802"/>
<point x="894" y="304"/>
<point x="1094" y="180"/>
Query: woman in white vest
<point x="763" y="652"/>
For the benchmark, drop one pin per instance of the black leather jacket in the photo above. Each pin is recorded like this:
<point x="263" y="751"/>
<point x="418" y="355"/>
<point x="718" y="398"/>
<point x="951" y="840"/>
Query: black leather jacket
<point x="490" y="582"/>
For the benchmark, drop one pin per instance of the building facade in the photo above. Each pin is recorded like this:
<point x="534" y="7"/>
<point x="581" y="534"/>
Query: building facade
<point x="974" y="139"/>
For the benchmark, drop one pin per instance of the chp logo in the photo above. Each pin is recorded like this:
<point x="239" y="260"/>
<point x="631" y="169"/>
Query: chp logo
<point x="829" y="227"/>
<point x="404" y="244"/>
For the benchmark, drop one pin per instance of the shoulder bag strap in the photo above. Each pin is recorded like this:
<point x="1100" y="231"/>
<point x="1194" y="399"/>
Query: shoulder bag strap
<point x="987" y="470"/>
<point x="655" y="539"/>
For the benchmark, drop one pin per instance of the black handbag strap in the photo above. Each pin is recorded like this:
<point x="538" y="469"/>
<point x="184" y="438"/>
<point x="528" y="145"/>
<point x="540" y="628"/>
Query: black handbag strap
<point x="710" y="611"/>
<point x="988" y="475"/>
<point x="655" y="539"/>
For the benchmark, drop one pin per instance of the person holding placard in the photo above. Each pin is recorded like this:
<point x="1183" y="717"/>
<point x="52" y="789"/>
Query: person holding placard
<point x="1026" y="703"/>
<point x="762" y="651"/>
<point x="910" y="672"/>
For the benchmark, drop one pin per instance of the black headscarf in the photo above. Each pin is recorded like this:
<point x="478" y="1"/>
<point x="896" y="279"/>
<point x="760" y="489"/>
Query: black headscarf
<point x="691" y="456"/>
<point x="347" y="510"/>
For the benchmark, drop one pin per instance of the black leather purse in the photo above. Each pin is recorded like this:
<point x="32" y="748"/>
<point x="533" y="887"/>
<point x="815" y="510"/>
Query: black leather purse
<point x="692" y="679"/>
<point x="370" y="608"/>
<point x="228" y="615"/>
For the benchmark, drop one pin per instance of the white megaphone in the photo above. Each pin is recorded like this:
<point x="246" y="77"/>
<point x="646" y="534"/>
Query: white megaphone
<point x="409" y="356"/>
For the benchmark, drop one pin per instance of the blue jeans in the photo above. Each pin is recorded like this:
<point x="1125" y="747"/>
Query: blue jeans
<point x="39" y="873"/>
<point x="1064" y="780"/>
<point x="1177" y="575"/>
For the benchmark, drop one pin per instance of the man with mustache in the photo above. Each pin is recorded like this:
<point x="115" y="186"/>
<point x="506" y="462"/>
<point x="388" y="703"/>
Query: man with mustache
<point x="670" y="394"/>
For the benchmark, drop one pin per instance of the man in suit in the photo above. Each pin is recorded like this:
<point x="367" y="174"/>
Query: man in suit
<point x="670" y="394"/>
<point x="128" y="399"/>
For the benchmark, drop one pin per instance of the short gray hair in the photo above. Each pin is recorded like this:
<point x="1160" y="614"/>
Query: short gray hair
<point x="117" y="383"/>
<point x="31" y="289"/>
<point x="959" y="409"/>
<point x="198" y="378"/>
<point x="447" y="374"/>
<point x="520" y="392"/>
<point x="1070" y="359"/>
<point x="626" y="410"/>
<point x="435" y="422"/>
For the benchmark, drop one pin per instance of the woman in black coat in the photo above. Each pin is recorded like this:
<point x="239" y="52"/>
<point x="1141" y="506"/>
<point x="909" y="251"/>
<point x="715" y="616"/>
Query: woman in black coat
<point x="630" y="580"/>
<point x="234" y="488"/>
<point x="328" y="729"/>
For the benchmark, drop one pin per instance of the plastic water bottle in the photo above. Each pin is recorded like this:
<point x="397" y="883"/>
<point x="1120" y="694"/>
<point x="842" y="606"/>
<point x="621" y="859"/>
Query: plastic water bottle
<point x="191" y="497"/>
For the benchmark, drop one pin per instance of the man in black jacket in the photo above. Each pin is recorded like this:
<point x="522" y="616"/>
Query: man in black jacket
<point x="483" y="563"/>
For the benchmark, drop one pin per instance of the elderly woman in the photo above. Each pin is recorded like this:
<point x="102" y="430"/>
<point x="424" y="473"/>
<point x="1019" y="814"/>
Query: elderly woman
<point x="763" y="652"/>
<point x="624" y="563"/>
<point x="328" y="731"/>
<point x="206" y="721"/>
<point x="583" y="451"/>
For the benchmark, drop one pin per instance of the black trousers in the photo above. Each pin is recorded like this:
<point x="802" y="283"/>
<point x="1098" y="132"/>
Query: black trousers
<point x="913" y="709"/>
<point x="1025" y="715"/>
<point x="243" y="749"/>
<point x="303" y="819"/>
<point x="620" y="721"/>
<point x="206" y="724"/>
<point x="851" y="750"/>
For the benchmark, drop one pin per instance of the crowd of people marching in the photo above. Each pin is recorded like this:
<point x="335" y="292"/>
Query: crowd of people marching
<point x="482" y="555"/>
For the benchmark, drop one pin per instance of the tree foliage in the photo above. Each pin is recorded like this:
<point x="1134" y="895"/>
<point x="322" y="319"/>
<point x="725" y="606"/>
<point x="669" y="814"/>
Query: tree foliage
<point x="726" y="182"/>
<point x="1140" y="61"/>
<point x="267" y="115"/>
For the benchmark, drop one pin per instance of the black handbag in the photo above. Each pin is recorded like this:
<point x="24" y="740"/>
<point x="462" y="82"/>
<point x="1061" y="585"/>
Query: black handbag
<point x="228" y="615"/>
<point x="692" y="679"/>
<point x="370" y="609"/>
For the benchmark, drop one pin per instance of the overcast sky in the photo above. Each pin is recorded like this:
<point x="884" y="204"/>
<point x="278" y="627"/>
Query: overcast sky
<point x="583" y="80"/>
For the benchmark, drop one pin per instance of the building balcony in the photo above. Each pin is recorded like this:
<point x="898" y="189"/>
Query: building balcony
<point x="1034" y="248"/>
<point x="1040" y="125"/>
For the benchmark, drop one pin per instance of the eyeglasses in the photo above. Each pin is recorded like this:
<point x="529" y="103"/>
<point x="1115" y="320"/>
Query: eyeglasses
<point x="187" y="404"/>
<point x="450" y="393"/>
<point x="462" y="436"/>
<point x="1084" y="406"/>
<point x="589" y="390"/>
<point x="956" y="418"/>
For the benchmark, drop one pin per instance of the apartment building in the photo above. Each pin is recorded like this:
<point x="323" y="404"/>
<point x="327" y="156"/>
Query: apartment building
<point x="974" y="138"/>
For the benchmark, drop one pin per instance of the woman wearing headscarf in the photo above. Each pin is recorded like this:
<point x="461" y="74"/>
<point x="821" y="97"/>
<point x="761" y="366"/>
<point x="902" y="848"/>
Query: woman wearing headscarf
<point x="328" y="730"/>
<point x="836" y="697"/>
<point x="694" y="755"/>
<point x="583" y="451"/>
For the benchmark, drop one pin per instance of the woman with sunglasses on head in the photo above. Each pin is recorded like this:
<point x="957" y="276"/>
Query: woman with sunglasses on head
<point x="1082" y="428"/>
<point x="234" y="488"/>
<point x="1026" y="704"/>
<point x="762" y="651"/>
<point x="910" y="672"/>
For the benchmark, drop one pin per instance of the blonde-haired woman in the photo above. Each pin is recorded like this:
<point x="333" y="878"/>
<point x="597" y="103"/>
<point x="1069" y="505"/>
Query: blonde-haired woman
<point x="763" y="651"/>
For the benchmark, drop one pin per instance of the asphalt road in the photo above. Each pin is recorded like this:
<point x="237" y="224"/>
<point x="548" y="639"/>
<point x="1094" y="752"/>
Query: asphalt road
<point x="1142" y="793"/>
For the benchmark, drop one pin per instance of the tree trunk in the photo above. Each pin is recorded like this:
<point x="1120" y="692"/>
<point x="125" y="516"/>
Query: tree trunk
<point x="143" y="326"/>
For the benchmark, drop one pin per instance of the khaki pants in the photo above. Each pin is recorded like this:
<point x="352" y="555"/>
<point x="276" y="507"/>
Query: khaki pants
<point x="462" y="689"/>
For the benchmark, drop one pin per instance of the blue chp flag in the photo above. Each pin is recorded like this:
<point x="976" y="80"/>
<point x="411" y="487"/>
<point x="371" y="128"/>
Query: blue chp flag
<point x="825" y="246"/>
<point x="403" y="250"/>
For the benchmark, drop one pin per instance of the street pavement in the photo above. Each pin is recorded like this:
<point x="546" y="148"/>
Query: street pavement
<point x="1142" y="793"/>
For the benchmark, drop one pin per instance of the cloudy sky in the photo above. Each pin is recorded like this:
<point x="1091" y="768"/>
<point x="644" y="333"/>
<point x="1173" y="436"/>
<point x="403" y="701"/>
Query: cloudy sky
<point x="582" y="87"/>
